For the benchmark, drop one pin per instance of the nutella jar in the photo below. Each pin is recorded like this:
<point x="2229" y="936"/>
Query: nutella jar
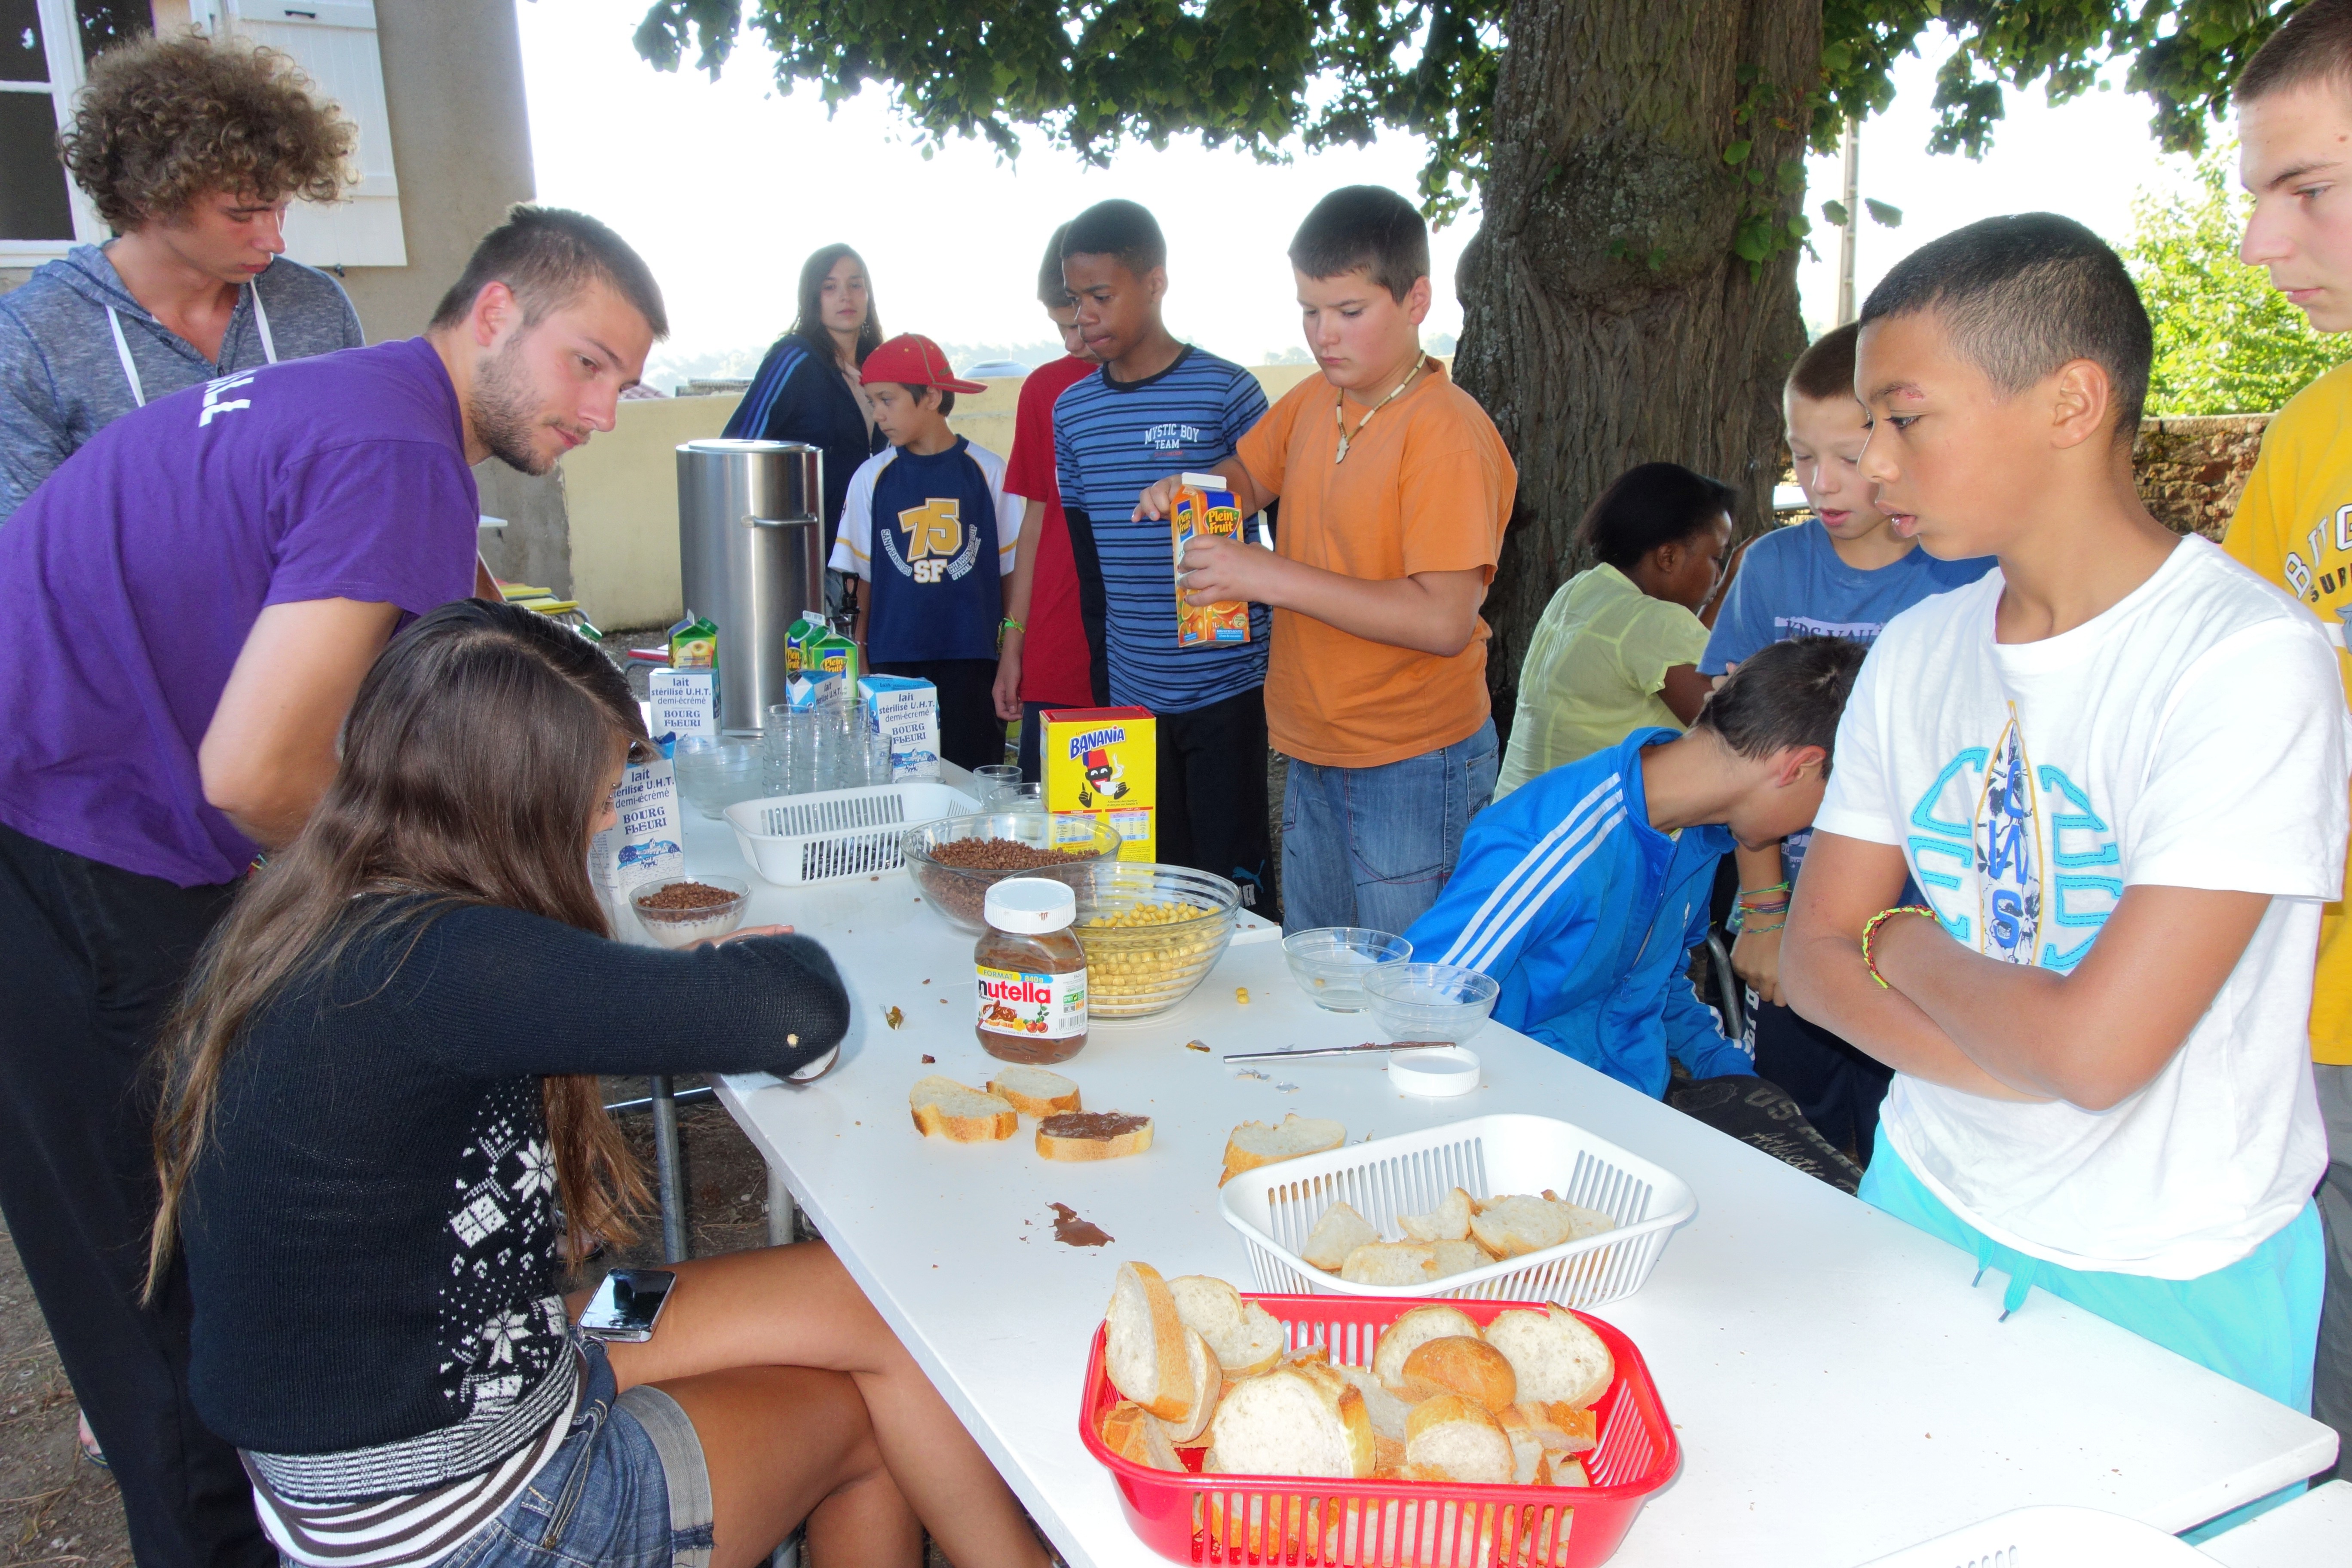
<point x="1032" y="973"/>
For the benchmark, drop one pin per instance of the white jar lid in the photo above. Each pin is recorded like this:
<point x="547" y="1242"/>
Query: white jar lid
<point x="1032" y="906"/>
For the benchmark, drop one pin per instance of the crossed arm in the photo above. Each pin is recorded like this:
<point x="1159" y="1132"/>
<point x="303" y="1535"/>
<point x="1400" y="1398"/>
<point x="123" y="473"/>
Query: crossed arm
<point x="2009" y="1031"/>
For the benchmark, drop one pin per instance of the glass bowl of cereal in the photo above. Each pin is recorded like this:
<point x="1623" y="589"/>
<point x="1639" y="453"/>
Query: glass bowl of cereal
<point x="678" y="911"/>
<point x="955" y="860"/>
<point x="1151" y="932"/>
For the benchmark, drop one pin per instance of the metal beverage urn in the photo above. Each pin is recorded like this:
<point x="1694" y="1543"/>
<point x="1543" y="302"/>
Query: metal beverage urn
<point x="750" y="546"/>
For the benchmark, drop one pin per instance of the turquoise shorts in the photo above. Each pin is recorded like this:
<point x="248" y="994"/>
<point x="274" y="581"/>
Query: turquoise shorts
<point x="2255" y="1322"/>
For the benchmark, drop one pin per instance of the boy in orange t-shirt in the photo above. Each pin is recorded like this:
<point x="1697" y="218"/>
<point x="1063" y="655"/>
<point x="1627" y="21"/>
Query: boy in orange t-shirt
<point x="1395" y="490"/>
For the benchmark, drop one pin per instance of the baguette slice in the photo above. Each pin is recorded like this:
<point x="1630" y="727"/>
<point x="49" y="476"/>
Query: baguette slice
<point x="1247" y="1338"/>
<point x="1387" y="1410"/>
<point x="1339" y="1232"/>
<point x="1559" y="1470"/>
<point x="1449" y="1221"/>
<point x="1457" y="1258"/>
<point x="1144" y="1352"/>
<point x="1460" y="1363"/>
<point x="1208" y="1386"/>
<point x="1297" y="1420"/>
<point x="1554" y="1356"/>
<point x="1527" y="1449"/>
<point x="1391" y="1263"/>
<point x="1409" y="1333"/>
<point x="1033" y="1092"/>
<point x="1093" y="1135"/>
<point x="1135" y="1435"/>
<point x="1515" y="1226"/>
<point x="1560" y="1428"/>
<point x="1458" y="1436"/>
<point x="1254" y="1143"/>
<point x="958" y="1113"/>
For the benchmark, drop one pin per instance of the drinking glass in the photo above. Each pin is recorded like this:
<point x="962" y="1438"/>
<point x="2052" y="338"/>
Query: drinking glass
<point x="1028" y="797"/>
<point x="988" y="781"/>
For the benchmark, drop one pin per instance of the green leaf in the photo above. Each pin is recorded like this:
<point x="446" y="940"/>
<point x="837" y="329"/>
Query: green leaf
<point x="1737" y="153"/>
<point x="1880" y="213"/>
<point x="1834" y="212"/>
<point x="1836" y="58"/>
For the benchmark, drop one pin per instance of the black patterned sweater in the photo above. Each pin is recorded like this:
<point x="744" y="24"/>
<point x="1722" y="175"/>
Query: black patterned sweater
<point x="373" y="1234"/>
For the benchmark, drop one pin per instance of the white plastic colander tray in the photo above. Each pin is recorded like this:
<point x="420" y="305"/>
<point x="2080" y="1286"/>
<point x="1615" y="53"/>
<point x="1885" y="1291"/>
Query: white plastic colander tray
<point x="796" y="839"/>
<point x="1274" y="1207"/>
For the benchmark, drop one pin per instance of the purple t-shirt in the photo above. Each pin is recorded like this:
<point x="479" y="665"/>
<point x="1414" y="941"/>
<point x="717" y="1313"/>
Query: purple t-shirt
<point x="130" y="580"/>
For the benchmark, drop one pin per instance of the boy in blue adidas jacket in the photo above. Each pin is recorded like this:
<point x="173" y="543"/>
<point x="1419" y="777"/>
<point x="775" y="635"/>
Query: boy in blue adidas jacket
<point x="1583" y="891"/>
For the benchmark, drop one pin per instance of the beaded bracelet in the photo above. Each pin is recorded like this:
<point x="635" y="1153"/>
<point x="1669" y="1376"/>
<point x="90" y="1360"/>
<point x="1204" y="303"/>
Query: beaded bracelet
<point x="1870" y="929"/>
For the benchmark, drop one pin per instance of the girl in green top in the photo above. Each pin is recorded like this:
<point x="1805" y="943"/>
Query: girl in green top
<point x="1618" y="647"/>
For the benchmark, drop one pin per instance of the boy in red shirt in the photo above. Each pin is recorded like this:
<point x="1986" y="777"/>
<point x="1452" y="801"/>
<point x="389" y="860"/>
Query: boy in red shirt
<point x="1041" y="658"/>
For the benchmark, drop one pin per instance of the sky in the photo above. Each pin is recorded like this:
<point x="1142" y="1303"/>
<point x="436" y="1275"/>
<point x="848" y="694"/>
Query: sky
<point x="725" y="187"/>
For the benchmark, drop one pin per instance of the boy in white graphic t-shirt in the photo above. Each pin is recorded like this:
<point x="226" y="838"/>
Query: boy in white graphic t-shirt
<point x="2115" y="767"/>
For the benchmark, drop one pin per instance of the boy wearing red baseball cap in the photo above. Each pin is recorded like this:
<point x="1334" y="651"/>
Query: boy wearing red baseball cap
<point x="927" y="576"/>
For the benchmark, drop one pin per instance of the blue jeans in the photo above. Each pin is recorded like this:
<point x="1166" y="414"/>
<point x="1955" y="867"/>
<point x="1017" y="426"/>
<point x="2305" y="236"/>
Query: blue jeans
<point x="1372" y="846"/>
<point x="628" y="1489"/>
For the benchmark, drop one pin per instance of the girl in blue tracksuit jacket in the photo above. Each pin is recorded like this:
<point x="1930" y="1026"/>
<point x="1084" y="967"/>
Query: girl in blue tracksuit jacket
<point x="1586" y="914"/>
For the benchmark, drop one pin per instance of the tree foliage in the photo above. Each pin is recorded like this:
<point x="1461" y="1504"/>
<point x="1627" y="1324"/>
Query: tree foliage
<point x="1271" y="74"/>
<point x="2226" y="341"/>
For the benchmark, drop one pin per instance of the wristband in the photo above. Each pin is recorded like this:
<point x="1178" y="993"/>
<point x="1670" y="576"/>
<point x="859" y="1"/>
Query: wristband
<point x="1009" y="625"/>
<point x="1870" y="929"/>
<point x="1763" y="931"/>
<point x="1748" y="893"/>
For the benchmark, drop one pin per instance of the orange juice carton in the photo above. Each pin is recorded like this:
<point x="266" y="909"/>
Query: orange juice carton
<point x="1202" y="507"/>
<point x="1105" y="763"/>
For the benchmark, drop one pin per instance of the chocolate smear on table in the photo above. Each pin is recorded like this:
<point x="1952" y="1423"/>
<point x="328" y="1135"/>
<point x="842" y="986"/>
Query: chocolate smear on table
<point x="1072" y="1231"/>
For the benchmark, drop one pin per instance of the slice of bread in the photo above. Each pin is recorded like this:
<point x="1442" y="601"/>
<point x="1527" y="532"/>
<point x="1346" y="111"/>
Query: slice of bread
<point x="1247" y="1338"/>
<point x="959" y="1113"/>
<point x="1388" y="1453"/>
<point x="1135" y="1435"/>
<point x="1457" y="1436"/>
<point x="1560" y="1471"/>
<point x="1093" y="1135"/>
<point x="1339" y="1232"/>
<point x="1409" y="1333"/>
<point x="1447" y="1257"/>
<point x="1387" y="1411"/>
<point x="1527" y="1449"/>
<point x="1554" y="1355"/>
<point x="1515" y="1226"/>
<point x="1297" y="1420"/>
<point x="1449" y="1221"/>
<point x="1144" y="1353"/>
<point x="1560" y="1428"/>
<point x="1391" y="1263"/>
<point x="1033" y="1092"/>
<point x="1460" y="1363"/>
<point x="1208" y="1385"/>
<point x="1254" y="1143"/>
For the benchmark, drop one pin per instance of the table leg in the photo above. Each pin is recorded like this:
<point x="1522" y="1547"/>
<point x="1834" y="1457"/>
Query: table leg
<point x="781" y="1211"/>
<point x="666" y="1163"/>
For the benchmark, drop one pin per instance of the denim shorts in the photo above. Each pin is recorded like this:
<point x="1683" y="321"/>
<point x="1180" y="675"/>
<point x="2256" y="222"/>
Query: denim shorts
<point x="628" y="1490"/>
<point x="1372" y="846"/>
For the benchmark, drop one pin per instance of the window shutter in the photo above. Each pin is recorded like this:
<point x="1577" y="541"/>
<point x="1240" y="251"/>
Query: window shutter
<point x="334" y="42"/>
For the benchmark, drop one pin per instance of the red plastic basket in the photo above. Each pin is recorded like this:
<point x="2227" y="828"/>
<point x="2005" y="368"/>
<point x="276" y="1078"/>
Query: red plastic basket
<point x="1314" y="1522"/>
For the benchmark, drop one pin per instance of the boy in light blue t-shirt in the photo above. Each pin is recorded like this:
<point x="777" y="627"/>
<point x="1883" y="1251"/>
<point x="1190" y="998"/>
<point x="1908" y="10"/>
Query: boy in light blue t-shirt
<point x="1842" y="573"/>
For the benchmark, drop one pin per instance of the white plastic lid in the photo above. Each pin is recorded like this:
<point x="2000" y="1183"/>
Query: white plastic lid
<point x="1031" y="906"/>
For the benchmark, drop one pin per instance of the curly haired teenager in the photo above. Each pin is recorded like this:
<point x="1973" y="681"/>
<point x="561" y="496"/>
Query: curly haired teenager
<point x="190" y="148"/>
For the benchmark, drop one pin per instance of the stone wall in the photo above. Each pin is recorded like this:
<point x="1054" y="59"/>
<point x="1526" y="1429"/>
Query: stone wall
<point x="2191" y="470"/>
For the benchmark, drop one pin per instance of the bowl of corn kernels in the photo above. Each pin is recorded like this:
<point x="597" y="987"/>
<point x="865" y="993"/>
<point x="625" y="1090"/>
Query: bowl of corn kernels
<point x="1150" y="934"/>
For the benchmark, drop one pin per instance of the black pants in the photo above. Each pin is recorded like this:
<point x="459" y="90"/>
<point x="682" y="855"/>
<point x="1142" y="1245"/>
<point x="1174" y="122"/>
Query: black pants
<point x="1837" y="1087"/>
<point x="1212" y="811"/>
<point x="971" y="734"/>
<point x="91" y="958"/>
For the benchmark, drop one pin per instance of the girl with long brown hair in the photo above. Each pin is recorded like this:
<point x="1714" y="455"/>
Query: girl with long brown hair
<point x="382" y="1146"/>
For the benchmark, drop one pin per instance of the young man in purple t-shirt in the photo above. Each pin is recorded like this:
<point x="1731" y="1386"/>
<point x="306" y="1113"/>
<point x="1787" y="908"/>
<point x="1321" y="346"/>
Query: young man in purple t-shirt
<point x="187" y="605"/>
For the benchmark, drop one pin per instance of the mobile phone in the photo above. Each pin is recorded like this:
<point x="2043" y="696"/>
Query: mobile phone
<point x="627" y="1305"/>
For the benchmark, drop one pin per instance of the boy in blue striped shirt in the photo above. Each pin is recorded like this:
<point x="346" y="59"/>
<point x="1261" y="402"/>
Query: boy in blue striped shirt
<point x="1583" y="891"/>
<point x="1159" y="406"/>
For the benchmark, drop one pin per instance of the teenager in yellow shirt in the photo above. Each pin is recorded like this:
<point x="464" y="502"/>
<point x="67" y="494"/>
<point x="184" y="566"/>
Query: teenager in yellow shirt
<point x="2293" y="525"/>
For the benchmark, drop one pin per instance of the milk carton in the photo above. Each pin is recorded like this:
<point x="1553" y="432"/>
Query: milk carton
<point x="1105" y="763"/>
<point x="1204" y="507"/>
<point x="907" y="712"/>
<point x="685" y="701"/>
<point x="649" y="839"/>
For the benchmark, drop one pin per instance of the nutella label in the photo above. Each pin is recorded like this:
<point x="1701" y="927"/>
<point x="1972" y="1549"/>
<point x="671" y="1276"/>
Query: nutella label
<point x="1037" y="1006"/>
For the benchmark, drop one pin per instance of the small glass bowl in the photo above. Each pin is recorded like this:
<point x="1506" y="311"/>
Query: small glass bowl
<point x="683" y="927"/>
<point x="1136" y="971"/>
<point x="1329" y="963"/>
<point x="712" y="776"/>
<point x="1437" y="1001"/>
<point x="960" y="893"/>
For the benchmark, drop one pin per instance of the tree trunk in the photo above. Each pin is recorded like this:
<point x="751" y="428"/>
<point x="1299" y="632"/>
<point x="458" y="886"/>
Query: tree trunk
<point x="1606" y="321"/>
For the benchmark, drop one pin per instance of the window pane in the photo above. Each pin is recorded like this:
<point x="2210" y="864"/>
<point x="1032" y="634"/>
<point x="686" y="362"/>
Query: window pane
<point x="32" y="182"/>
<point x="106" y="23"/>
<point x="21" y="56"/>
